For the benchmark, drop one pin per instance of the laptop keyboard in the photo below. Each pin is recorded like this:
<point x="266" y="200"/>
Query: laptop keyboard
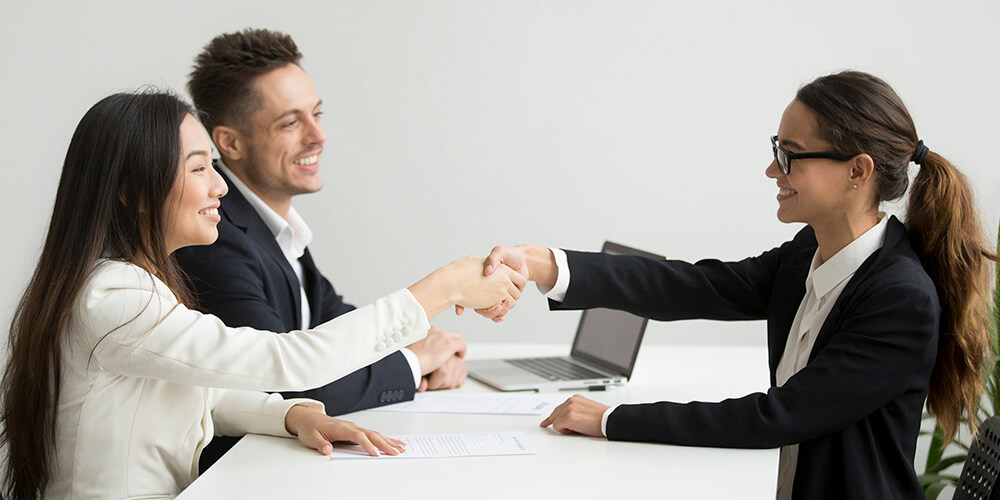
<point x="555" y="368"/>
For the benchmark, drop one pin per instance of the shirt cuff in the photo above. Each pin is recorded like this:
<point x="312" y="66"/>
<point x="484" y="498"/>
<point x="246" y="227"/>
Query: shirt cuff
<point x="558" y="291"/>
<point x="414" y="363"/>
<point x="604" y="419"/>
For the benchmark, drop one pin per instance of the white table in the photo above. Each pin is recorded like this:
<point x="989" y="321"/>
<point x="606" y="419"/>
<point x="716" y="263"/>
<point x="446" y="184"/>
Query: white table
<point x="565" y="466"/>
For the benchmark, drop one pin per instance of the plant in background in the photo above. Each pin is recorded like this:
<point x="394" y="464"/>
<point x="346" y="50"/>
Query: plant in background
<point x="935" y="478"/>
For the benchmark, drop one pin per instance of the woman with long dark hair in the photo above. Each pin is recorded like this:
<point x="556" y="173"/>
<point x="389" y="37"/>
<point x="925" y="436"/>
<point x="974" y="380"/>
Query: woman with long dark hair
<point x="867" y="318"/>
<point x="114" y="385"/>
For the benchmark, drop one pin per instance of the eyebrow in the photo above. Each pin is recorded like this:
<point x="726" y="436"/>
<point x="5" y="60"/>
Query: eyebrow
<point x="295" y="111"/>
<point x="197" y="152"/>
<point x="786" y="142"/>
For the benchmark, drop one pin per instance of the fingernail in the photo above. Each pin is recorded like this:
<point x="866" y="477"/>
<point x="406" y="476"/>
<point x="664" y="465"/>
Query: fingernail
<point x="489" y="269"/>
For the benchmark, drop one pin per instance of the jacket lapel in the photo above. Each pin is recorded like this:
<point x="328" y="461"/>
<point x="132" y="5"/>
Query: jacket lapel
<point x="241" y="214"/>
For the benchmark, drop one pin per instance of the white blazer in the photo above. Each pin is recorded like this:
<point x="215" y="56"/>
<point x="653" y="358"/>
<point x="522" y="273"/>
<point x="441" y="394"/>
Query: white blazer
<point x="146" y="382"/>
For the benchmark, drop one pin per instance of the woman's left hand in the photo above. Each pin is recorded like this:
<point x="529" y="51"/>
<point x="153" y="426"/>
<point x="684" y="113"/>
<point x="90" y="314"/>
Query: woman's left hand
<point x="577" y="415"/>
<point x="318" y="431"/>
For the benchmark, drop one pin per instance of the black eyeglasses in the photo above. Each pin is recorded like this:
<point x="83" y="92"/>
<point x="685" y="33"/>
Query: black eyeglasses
<point x="785" y="157"/>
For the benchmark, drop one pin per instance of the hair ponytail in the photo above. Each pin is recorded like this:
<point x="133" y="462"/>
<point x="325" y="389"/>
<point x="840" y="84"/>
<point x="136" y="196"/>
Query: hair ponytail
<point x="943" y="223"/>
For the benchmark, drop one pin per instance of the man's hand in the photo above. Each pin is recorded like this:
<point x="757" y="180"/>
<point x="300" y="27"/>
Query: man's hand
<point x="450" y="375"/>
<point x="577" y="415"/>
<point x="438" y="348"/>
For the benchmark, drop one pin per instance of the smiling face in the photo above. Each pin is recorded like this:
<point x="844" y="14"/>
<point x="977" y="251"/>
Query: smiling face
<point x="192" y="207"/>
<point x="815" y="191"/>
<point x="285" y="140"/>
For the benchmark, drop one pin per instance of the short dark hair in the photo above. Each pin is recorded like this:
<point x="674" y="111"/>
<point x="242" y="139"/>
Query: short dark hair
<point x="221" y="82"/>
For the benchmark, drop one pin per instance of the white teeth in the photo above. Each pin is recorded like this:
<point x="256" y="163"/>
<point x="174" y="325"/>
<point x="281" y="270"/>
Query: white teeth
<point x="309" y="160"/>
<point x="210" y="211"/>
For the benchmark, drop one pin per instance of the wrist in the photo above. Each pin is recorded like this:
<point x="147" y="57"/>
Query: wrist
<point x="541" y="264"/>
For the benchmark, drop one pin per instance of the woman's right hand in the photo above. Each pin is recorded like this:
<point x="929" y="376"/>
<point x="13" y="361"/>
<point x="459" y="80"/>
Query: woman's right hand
<point x="463" y="283"/>
<point x="478" y="290"/>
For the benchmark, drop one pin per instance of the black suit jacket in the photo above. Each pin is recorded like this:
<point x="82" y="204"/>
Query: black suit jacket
<point x="854" y="409"/>
<point x="245" y="279"/>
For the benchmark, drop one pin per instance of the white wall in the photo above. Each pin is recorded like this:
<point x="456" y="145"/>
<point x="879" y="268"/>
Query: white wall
<point x="457" y="125"/>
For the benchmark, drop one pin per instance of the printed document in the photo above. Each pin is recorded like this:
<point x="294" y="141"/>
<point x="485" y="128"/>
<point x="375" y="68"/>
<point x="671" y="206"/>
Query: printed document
<point x="480" y="444"/>
<point x="490" y="403"/>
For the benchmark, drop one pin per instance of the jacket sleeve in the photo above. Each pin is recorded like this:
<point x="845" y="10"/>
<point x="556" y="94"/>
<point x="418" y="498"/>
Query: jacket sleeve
<point x="668" y="290"/>
<point x="884" y="344"/>
<point x="237" y="412"/>
<point x="137" y="328"/>
<point x="228" y="280"/>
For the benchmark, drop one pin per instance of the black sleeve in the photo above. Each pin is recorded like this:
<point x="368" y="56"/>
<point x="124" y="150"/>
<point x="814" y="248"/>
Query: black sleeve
<point x="668" y="290"/>
<point x="881" y="349"/>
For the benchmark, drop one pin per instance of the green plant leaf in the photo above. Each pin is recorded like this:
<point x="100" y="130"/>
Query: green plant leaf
<point x="936" y="450"/>
<point x="928" y="479"/>
<point x="932" y="491"/>
<point x="946" y="462"/>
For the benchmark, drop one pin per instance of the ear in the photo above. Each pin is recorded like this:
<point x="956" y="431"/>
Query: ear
<point x="231" y="142"/>
<point x="862" y="167"/>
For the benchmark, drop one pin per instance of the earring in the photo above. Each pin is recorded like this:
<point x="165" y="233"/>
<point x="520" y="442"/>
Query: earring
<point x="855" y="186"/>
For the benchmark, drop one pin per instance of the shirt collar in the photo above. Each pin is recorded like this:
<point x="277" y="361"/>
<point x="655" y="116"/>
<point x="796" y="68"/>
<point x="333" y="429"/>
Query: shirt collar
<point x="301" y="235"/>
<point x="826" y="276"/>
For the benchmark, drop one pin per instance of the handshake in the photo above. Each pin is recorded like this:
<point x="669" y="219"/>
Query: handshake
<point x="490" y="285"/>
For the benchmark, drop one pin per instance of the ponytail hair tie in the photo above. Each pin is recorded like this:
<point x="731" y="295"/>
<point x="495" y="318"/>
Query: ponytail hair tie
<point x="920" y="153"/>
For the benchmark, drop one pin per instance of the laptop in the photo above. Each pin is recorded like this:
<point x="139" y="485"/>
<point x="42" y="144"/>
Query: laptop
<point x="603" y="355"/>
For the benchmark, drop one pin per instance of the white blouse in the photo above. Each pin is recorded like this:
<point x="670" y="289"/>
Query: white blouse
<point x="146" y="382"/>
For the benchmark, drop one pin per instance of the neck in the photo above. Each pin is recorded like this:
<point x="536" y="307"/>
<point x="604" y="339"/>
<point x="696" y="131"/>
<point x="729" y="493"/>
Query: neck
<point x="833" y="236"/>
<point x="280" y="203"/>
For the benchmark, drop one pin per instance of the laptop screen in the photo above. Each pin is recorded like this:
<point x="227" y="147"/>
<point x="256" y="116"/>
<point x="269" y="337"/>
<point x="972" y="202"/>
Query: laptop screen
<point x="610" y="338"/>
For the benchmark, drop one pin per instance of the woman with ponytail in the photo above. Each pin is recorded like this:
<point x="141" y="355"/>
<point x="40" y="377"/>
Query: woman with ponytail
<point x="867" y="318"/>
<point x="114" y="385"/>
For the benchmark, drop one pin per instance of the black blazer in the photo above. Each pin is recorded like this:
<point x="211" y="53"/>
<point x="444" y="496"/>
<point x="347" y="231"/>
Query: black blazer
<point x="854" y="409"/>
<point x="245" y="279"/>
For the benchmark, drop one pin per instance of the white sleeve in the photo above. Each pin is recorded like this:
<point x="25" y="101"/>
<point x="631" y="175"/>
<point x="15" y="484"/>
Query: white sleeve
<point x="558" y="291"/>
<point x="138" y="329"/>
<point x="604" y="419"/>
<point x="414" y="362"/>
<point x="236" y="412"/>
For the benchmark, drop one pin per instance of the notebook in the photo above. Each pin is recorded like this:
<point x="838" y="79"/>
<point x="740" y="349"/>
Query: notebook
<point x="603" y="354"/>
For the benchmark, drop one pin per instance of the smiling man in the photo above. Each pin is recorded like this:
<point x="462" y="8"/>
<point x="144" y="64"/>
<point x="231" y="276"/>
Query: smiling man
<point x="263" y="115"/>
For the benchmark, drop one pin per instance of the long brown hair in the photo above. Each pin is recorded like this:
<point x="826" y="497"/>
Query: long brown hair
<point x="120" y="167"/>
<point x="859" y="112"/>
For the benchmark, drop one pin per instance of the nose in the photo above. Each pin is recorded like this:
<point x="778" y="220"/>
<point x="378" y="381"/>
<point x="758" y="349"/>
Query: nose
<point x="772" y="170"/>
<point x="219" y="187"/>
<point x="315" y="133"/>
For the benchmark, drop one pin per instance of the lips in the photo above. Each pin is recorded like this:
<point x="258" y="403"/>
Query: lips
<point x="786" y="193"/>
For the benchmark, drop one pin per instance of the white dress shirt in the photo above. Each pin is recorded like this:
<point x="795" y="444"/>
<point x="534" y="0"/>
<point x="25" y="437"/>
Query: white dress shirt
<point x="146" y="382"/>
<point x="293" y="236"/>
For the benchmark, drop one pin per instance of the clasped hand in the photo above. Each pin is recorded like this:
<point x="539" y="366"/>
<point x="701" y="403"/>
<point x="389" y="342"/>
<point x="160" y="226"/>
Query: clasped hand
<point x="501" y="258"/>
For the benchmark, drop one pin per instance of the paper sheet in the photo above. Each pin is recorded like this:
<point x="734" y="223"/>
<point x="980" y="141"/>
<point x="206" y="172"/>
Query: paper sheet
<point x="480" y="444"/>
<point x="489" y="403"/>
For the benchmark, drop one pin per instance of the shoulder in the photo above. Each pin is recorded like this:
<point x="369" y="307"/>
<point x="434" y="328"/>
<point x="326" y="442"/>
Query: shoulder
<point x="898" y="264"/>
<point x="112" y="277"/>
<point x="116" y="292"/>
